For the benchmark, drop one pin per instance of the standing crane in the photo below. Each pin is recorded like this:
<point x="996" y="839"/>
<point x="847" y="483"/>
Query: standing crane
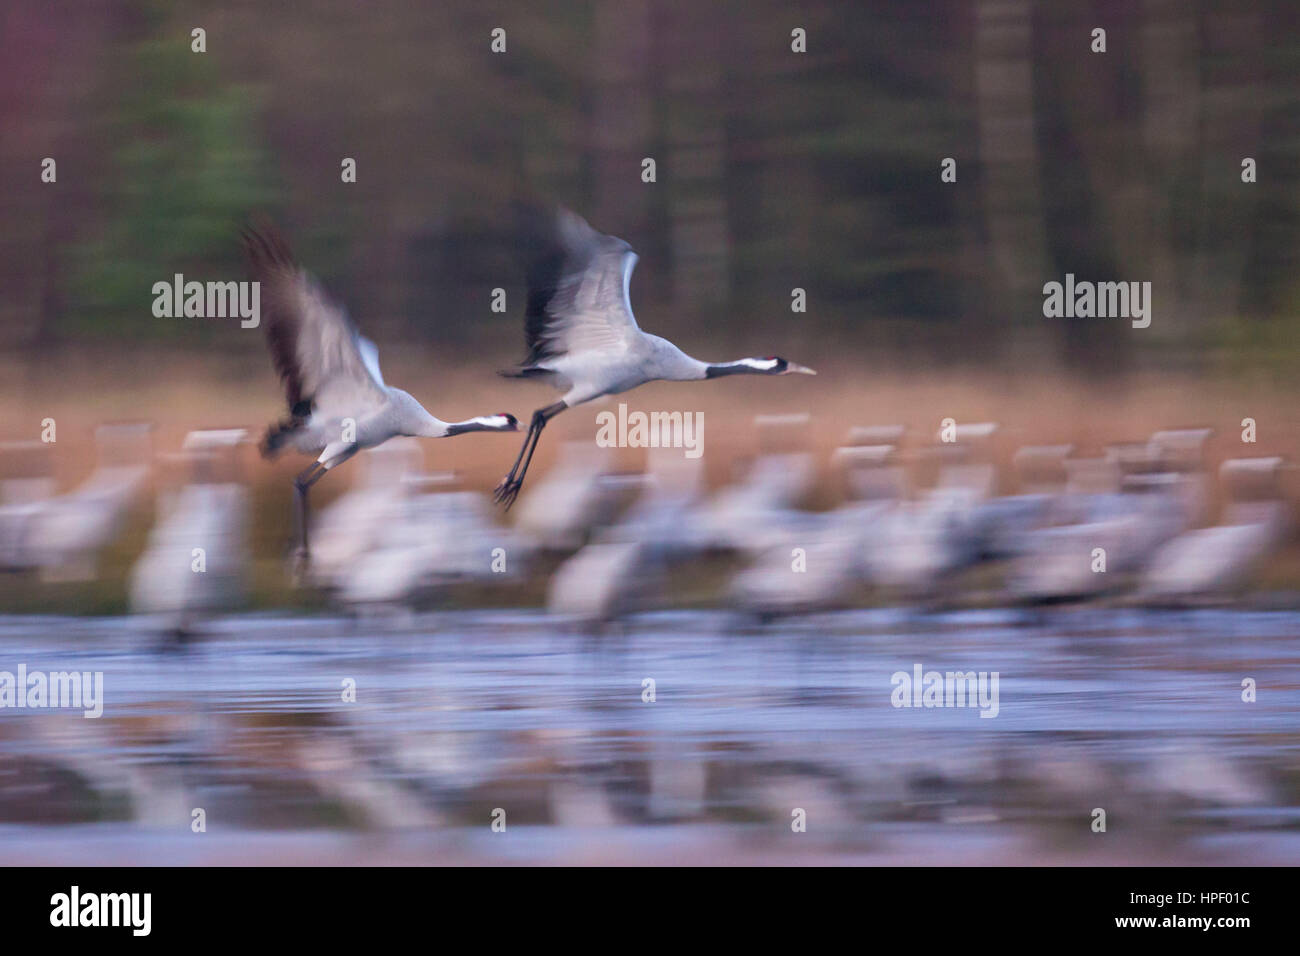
<point x="338" y="401"/>
<point x="582" y="337"/>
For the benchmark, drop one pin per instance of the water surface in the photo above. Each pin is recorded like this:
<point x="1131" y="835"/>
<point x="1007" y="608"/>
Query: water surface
<point x="458" y="715"/>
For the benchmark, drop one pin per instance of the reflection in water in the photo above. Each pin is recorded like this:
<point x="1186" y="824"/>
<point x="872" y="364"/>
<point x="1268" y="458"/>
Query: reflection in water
<point x="1136" y="712"/>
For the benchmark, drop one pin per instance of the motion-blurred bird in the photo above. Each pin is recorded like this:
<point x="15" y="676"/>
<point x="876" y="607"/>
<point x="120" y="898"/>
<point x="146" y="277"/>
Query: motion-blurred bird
<point x="338" y="402"/>
<point x="583" y="338"/>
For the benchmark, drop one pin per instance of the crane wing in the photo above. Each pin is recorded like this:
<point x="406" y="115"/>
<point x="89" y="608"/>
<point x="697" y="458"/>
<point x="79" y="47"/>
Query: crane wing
<point x="370" y="355"/>
<point x="323" y="362"/>
<point x="578" y="291"/>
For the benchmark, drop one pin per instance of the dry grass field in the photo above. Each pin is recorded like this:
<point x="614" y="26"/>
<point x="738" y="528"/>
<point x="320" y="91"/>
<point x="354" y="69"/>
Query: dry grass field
<point x="180" y="391"/>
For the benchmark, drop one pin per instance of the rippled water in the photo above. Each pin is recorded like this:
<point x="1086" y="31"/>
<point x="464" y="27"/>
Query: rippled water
<point x="459" y="714"/>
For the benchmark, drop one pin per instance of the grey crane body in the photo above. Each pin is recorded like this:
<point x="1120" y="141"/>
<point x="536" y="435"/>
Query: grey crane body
<point x="400" y="414"/>
<point x="583" y="338"/>
<point x="338" y="401"/>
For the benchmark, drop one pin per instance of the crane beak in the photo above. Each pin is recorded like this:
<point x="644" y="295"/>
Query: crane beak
<point x="792" y="368"/>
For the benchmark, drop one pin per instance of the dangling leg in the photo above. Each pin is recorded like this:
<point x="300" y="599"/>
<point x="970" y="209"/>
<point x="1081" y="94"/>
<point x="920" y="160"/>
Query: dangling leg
<point x="529" y="459"/>
<point x="301" y="485"/>
<point x="328" y="460"/>
<point x="528" y="440"/>
<point x="508" y="490"/>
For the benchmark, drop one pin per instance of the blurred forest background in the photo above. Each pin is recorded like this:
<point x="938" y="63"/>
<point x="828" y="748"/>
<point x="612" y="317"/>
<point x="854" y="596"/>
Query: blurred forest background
<point x="775" y="170"/>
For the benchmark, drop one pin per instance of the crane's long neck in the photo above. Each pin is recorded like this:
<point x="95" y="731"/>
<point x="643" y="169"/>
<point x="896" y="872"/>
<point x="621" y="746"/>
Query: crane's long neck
<point x="482" y="423"/>
<point x="670" y="363"/>
<point x="419" y="423"/>
<point x="432" y="427"/>
<point x="745" y="366"/>
<point x="414" y="419"/>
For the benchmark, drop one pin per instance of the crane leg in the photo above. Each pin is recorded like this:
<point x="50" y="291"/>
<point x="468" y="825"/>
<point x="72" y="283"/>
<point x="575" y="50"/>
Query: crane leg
<point x="508" y="490"/>
<point x="301" y="485"/>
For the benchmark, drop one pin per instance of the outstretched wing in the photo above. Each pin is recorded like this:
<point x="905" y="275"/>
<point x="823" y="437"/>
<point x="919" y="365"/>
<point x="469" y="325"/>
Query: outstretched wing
<point x="322" y="360"/>
<point x="578" y="290"/>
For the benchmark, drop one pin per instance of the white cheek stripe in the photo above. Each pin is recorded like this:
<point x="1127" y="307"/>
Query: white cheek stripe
<point x="762" y="364"/>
